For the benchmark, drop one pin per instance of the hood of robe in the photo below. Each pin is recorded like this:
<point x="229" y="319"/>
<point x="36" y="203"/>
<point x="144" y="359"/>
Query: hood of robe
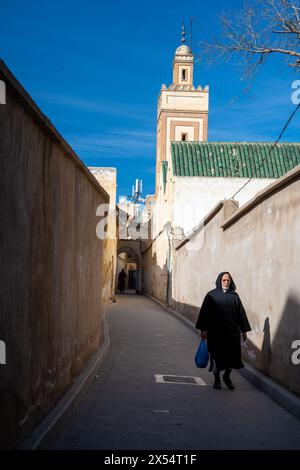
<point x="232" y="286"/>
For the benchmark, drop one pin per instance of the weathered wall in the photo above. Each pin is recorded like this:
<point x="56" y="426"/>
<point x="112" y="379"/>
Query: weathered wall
<point x="157" y="250"/>
<point x="155" y="272"/>
<point x="51" y="261"/>
<point x="107" y="177"/>
<point x="260" y="246"/>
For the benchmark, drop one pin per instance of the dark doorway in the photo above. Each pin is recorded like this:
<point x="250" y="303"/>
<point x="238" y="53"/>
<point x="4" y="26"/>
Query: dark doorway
<point x="132" y="279"/>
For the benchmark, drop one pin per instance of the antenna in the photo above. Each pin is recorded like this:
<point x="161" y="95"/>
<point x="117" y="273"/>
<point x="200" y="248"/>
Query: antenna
<point x="191" y="29"/>
<point x="137" y="190"/>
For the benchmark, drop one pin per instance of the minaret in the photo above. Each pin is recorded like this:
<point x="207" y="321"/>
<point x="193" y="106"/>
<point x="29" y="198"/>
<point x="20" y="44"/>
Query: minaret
<point x="182" y="111"/>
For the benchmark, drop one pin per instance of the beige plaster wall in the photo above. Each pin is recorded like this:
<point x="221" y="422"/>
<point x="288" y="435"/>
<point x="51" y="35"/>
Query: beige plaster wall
<point x="51" y="264"/>
<point x="107" y="177"/>
<point x="261" y="249"/>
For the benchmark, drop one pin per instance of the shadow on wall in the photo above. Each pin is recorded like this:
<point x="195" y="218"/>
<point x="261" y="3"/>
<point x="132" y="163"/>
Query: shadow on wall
<point x="266" y="349"/>
<point x="288" y="331"/>
<point x="155" y="278"/>
<point x="275" y="356"/>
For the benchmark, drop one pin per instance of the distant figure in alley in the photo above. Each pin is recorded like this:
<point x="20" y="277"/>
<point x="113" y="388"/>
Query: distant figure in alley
<point x="121" y="281"/>
<point x="223" y="322"/>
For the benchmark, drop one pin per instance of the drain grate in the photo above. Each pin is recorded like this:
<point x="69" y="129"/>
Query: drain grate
<point x="179" y="379"/>
<point x="187" y="380"/>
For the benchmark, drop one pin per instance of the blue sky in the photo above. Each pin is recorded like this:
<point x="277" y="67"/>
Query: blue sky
<point x="95" y="69"/>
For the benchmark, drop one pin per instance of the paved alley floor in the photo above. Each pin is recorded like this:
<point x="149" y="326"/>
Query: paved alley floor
<point x="127" y="408"/>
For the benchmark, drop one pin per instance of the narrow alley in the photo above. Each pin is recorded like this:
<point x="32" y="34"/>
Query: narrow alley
<point x="102" y="279"/>
<point x="127" y="408"/>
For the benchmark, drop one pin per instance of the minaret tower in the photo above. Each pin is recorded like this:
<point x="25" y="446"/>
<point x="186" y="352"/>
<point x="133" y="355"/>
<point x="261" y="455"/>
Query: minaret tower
<point x="182" y="111"/>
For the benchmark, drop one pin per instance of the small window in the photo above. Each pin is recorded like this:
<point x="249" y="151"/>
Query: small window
<point x="183" y="74"/>
<point x="183" y="137"/>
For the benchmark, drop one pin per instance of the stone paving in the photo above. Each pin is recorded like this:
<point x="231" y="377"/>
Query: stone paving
<point x="127" y="408"/>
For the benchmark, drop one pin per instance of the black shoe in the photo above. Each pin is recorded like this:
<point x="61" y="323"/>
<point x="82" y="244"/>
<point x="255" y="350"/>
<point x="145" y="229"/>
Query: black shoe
<point x="217" y="383"/>
<point x="228" y="382"/>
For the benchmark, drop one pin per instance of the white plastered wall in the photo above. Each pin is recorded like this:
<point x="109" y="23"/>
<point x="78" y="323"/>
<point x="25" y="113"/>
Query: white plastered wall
<point x="194" y="197"/>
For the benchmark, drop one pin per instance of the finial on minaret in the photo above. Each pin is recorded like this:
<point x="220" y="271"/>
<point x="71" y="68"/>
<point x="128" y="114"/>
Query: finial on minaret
<point x="183" y="33"/>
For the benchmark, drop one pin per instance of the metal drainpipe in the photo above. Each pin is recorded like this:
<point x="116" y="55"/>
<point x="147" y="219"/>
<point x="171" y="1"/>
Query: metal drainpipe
<point x="168" y="263"/>
<point x="140" y="266"/>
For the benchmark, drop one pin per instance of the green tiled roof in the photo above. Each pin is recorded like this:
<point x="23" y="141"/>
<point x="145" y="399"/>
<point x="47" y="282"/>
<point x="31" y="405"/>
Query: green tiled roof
<point x="233" y="159"/>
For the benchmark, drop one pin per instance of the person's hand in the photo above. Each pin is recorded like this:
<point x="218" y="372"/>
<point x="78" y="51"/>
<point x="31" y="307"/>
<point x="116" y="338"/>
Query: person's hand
<point x="203" y="334"/>
<point x="244" y="337"/>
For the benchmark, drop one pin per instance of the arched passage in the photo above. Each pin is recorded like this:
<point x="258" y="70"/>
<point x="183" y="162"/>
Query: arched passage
<point x="129" y="258"/>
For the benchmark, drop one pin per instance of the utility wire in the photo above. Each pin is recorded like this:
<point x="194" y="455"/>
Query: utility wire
<point x="273" y="146"/>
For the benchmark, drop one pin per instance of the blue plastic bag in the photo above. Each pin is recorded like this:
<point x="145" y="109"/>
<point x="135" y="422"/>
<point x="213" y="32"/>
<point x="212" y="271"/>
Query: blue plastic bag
<point x="202" y="356"/>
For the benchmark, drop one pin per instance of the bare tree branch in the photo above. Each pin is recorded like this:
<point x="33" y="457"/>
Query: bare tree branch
<point x="266" y="27"/>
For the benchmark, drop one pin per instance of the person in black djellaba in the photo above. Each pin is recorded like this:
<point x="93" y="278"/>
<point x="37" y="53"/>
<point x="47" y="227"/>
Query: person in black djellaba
<point x="121" y="281"/>
<point x="222" y="321"/>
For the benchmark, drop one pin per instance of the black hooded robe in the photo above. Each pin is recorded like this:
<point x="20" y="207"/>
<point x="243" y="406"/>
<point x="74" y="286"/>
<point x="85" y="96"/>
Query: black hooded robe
<point x="224" y="318"/>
